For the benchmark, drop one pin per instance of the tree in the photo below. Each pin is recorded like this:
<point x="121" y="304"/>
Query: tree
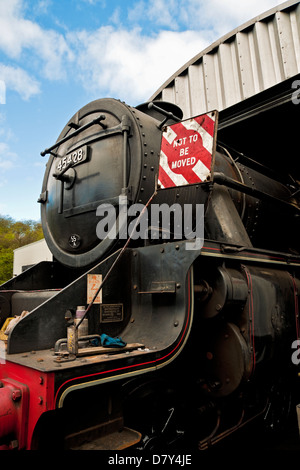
<point x="14" y="234"/>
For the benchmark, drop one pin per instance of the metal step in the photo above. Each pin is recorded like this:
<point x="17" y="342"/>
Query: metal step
<point x="111" y="435"/>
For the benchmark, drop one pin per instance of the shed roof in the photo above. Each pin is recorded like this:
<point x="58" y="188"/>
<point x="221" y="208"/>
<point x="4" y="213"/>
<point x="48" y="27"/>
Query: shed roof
<point x="252" y="58"/>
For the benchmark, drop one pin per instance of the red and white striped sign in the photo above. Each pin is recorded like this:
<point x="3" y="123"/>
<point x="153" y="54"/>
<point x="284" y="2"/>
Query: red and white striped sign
<point x="186" y="151"/>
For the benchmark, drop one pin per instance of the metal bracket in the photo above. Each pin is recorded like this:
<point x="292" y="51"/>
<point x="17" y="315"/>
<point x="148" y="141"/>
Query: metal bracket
<point x="75" y="133"/>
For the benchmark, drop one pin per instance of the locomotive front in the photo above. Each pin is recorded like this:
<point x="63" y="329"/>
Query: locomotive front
<point x="106" y="150"/>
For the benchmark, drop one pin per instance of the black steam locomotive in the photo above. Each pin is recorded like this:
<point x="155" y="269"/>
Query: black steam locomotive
<point x="140" y="335"/>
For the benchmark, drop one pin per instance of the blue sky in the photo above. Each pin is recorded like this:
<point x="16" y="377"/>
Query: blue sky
<point x="57" y="55"/>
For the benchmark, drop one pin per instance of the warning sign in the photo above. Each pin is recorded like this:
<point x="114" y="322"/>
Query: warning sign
<point x="93" y="284"/>
<point x="187" y="149"/>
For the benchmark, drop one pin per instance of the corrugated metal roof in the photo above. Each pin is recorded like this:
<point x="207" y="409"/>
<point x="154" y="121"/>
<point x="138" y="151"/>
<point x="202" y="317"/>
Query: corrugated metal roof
<point x="258" y="55"/>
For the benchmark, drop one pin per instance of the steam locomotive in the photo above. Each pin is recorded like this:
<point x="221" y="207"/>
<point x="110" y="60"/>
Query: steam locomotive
<point x="139" y="335"/>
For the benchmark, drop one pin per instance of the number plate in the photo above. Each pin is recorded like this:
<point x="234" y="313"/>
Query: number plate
<point x="73" y="158"/>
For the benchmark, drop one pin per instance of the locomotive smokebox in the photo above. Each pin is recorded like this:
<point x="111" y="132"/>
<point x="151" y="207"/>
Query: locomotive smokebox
<point x="107" y="149"/>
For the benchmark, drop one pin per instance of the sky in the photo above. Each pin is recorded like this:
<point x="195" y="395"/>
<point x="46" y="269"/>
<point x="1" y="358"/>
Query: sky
<point x="58" y="55"/>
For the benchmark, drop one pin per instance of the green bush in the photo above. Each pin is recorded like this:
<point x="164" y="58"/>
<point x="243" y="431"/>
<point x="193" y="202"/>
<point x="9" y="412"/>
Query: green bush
<point x="14" y="234"/>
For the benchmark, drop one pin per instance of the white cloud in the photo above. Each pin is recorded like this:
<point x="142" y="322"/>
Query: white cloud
<point x="7" y="158"/>
<point x="223" y="16"/>
<point x="5" y="164"/>
<point x="2" y="92"/>
<point x="42" y="6"/>
<point x="6" y="133"/>
<point x="240" y="11"/>
<point x="218" y="15"/>
<point x="19" y="80"/>
<point x="159" y="12"/>
<point x="131" y="65"/>
<point x="94" y="2"/>
<point x="128" y="62"/>
<point x="19" y="35"/>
